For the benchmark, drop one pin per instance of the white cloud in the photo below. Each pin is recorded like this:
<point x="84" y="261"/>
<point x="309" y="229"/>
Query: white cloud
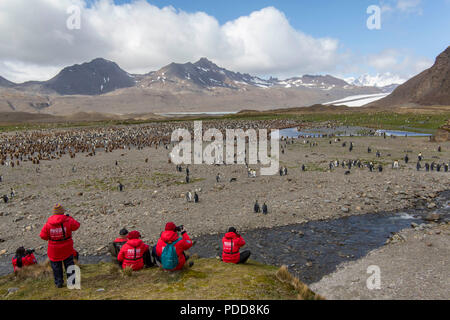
<point x="399" y="62"/>
<point x="141" y="37"/>
<point x="402" y="6"/>
<point x="35" y="42"/>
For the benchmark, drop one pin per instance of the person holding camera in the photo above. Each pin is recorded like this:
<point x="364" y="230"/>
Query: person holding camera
<point x="58" y="232"/>
<point x="232" y="243"/>
<point x="23" y="258"/>
<point x="169" y="251"/>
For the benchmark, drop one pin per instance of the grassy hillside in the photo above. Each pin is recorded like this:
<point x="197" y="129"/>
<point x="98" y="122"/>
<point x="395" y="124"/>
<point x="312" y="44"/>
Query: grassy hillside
<point x="207" y="279"/>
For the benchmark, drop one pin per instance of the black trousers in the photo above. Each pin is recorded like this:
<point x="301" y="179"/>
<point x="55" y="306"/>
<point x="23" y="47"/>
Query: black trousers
<point x="244" y="256"/>
<point x="57" y="267"/>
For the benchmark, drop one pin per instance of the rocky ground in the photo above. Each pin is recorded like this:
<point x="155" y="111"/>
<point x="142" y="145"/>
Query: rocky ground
<point x="154" y="191"/>
<point x="414" y="265"/>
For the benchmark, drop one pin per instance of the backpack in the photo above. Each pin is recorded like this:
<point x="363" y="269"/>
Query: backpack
<point x="169" y="257"/>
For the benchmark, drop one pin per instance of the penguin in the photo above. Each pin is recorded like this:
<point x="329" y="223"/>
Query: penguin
<point x="121" y="186"/>
<point x="196" y="200"/>
<point x="256" y="208"/>
<point x="264" y="208"/>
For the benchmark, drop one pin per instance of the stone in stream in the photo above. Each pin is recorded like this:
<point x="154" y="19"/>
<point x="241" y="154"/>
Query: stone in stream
<point x="432" y="217"/>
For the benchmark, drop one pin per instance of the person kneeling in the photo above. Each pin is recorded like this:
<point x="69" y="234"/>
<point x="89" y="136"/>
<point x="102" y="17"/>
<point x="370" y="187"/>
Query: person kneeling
<point x="135" y="253"/>
<point x="232" y="242"/>
<point x="23" y="258"/>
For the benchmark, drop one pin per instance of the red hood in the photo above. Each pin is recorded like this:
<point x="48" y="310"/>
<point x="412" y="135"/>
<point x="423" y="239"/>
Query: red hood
<point x="57" y="219"/>
<point x="169" y="236"/>
<point x="231" y="235"/>
<point x="135" y="242"/>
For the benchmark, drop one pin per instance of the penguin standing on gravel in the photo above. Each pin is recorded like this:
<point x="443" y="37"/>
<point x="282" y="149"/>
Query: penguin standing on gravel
<point x="196" y="200"/>
<point x="256" y="207"/>
<point x="264" y="208"/>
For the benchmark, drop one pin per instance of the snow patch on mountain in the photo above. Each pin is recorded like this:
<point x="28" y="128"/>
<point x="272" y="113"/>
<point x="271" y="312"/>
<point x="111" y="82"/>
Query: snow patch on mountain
<point x="379" y="80"/>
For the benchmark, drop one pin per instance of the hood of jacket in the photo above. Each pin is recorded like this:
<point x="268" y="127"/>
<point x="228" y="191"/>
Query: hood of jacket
<point x="169" y="236"/>
<point x="231" y="235"/>
<point x="57" y="219"/>
<point x="135" y="242"/>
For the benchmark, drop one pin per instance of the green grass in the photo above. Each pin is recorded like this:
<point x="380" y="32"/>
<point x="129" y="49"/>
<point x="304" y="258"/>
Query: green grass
<point x="425" y="123"/>
<point x="207" y="279"/>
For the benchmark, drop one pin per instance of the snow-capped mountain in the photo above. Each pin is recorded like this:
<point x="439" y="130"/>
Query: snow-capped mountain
<point x="312" y="81"/>
<point x="379" y="80"/>
<point x="201" y="74"/>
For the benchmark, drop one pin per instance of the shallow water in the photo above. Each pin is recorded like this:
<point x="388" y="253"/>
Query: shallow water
<point x="343" y="132"/>
<point x="322" y="246"/>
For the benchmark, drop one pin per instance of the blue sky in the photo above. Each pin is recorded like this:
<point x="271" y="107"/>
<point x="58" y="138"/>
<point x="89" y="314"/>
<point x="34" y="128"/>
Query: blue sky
<point x="282" y="38"/>
<point x="425" y="32"/>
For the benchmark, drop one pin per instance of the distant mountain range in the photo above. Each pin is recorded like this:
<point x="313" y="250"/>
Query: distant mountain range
<point x="102" y="86"/>
<point x="101" y="76"/>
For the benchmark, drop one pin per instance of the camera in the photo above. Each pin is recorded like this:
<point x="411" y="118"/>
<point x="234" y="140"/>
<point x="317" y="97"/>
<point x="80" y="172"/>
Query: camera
<point x="179" y="228"/>
<point x="30" y="251"/>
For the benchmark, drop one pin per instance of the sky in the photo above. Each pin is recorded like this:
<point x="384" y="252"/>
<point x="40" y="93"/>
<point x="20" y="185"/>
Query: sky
<point x="265" y="38"/>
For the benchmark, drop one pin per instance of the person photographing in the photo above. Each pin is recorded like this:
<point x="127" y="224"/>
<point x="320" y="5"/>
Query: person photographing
<point x="171" y="246"/>
<point x="58" y="232"/>
<point x="232" y="243"/>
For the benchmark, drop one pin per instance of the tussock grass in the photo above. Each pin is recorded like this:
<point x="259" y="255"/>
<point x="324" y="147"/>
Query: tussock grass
<point x="304" y="293"/>
<point x="207" y="279"/>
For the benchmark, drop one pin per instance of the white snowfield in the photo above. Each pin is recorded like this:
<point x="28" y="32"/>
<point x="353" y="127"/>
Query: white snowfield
<point x="358" y="101"/>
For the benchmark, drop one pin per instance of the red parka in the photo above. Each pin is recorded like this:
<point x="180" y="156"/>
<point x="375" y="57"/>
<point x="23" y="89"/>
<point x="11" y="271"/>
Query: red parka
<point x="58" y="232"/>
<point x="232" y="243"/>
<point x="132" y="254"/>
<point x="28" y="260"/>
<point x="184" y="244"/>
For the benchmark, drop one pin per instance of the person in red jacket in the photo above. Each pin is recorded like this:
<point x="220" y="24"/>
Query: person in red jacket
<point x="232" y="243"/>
<point x="171" y="235"/>
<point x="135" y="253"/>
<point x="23" y="258"/>
<point x="58" y="232"/>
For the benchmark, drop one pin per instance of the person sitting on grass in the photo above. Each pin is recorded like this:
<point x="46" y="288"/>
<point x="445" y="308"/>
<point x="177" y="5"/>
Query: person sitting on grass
<point x="170" y="249"/>
<point x="232" y="243"/>
<point x="135" y="254"/>
<point x="23" y="258"/>
<point x="116" y="245"/>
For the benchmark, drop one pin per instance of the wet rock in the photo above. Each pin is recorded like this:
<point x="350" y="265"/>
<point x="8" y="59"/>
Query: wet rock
<point x="432" y="205"/>
<point x="432" y="217"/>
